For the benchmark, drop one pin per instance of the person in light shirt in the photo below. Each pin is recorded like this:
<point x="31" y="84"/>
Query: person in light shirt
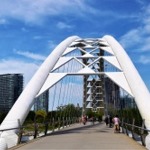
<point x="116" y="122"/>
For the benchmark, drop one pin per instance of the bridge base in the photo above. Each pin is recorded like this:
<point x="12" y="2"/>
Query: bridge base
<point x="147" y="141"/>
<point x="3" y="144"/>
<point x="8" y="139"/>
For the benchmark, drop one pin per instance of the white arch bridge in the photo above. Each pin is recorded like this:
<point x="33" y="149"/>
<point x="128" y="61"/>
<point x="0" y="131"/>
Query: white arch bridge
<point x="106" y="71"/>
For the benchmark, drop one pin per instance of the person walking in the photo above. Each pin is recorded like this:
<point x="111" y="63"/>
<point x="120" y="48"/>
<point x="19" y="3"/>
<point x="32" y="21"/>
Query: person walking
<point x="110" y="121"/>
<point x="84" y="119"/>
<point x="116" y="122"/>
<point x="106" y="120"/>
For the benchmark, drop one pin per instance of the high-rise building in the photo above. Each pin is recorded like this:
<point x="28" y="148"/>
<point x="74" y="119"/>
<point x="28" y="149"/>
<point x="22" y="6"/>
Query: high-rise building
<point x="11" y="86"/>
<point x="41" y="102"/>
<point x="112" y="96"/>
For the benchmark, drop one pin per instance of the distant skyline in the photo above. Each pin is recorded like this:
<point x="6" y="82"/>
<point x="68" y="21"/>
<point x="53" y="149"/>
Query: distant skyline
<point x="30" y="30"/>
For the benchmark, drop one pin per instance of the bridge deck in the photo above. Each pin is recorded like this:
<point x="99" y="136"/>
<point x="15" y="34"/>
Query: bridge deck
<point x="84" y="137"/>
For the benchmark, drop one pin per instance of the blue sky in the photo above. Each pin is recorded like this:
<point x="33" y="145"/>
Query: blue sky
<point x="30" y="29"/>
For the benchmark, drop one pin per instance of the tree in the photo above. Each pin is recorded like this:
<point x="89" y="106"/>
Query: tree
<point x="40" y="116"/>
<point x="30" y="117"/>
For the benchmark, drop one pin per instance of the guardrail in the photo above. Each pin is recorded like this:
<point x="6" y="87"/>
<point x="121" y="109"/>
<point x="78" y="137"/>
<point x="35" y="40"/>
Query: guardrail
<point x="51" y="126"/>
<point x="34" y="129"/>
<point x="135" y="130"/>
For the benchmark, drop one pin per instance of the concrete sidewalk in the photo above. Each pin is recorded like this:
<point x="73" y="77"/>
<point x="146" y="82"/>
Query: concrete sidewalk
<point x="95" y="137"/>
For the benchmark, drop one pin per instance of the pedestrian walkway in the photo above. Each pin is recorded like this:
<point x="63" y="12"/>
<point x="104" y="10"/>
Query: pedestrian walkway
<point x="90" y="137"/>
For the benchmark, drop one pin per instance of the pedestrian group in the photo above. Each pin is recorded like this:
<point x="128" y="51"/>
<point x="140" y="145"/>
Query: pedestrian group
<point x="113" y="122"/>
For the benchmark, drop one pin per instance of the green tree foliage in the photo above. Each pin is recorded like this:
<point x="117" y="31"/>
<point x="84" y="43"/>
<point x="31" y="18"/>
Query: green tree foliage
<point x="71" y="111"/>
<point x="97" y="115"/>
<point x="90" y="113"/>
<point x="40" y="116"/>
<point x="50" y="115"/>
<point x="129" y="114"/>
<point x="30" y="117"/>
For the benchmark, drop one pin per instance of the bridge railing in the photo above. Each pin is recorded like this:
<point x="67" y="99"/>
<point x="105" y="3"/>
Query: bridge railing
<point x="35" y="130"/>
<point x="136" y="132"/>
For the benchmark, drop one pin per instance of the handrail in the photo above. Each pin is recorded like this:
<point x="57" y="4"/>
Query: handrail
<point x="137" y="127"/>
<point x="36" y="127"/>
<point x="1" y="130"/>
<point x="141" y="133"/>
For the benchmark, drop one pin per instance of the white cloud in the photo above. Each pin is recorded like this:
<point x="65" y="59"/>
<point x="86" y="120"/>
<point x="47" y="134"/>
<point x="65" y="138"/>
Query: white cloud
<point x="62" y="25"/>
<point x="36" y="11"/>
<point x="30" y="55"/>
<point x="17" y="66"/>
<point x="38" y="37"/>
<point x="144" y="59"/>
<point x="130" y="38"/>
<point x="139" y="38"/>
<point x="3" y="21"/>
<point x="24" y="29"/>
<point x="51" y="45"/>
<point x="140" y="2"/>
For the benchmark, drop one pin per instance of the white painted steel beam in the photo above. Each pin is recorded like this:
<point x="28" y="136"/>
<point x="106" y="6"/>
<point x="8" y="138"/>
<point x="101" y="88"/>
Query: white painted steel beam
<point x="51" y="80"/>
<point x="68" y="50"/>
<point x="120" y="80"/>
<point x="86" y="70"/>
<point x="112" y="60"/>
<point x="61" y="61"/>
<point x="107" y="49"/>
<point x="129" y="79"/>
<point x="25" y="101"/>
<point x="137" y="85"/>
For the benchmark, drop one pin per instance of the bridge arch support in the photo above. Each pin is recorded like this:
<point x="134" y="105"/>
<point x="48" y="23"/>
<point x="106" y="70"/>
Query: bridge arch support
<point x="128" y="77"/>
<point x="136" y="84"/>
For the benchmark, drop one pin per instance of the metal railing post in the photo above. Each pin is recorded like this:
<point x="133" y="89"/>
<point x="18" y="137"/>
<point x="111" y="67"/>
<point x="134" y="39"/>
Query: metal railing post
<point x="20" y="132"/>
<point x="132" y="129"/>
<point x="46" y="128"/>
<point x="142" y="133"/>
<point x="122" y="125"/>
<point x="69" y="121"/>
<point x="126" y="129"/>
<point x="53" y="125"/>
<point x="63" y="122"/>
<point x="35" y="130"/>
<point x="58" y="123"/>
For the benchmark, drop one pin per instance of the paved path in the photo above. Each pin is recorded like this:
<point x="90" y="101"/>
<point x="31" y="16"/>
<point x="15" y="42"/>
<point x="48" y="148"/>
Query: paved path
<point x="80" y="137"/>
